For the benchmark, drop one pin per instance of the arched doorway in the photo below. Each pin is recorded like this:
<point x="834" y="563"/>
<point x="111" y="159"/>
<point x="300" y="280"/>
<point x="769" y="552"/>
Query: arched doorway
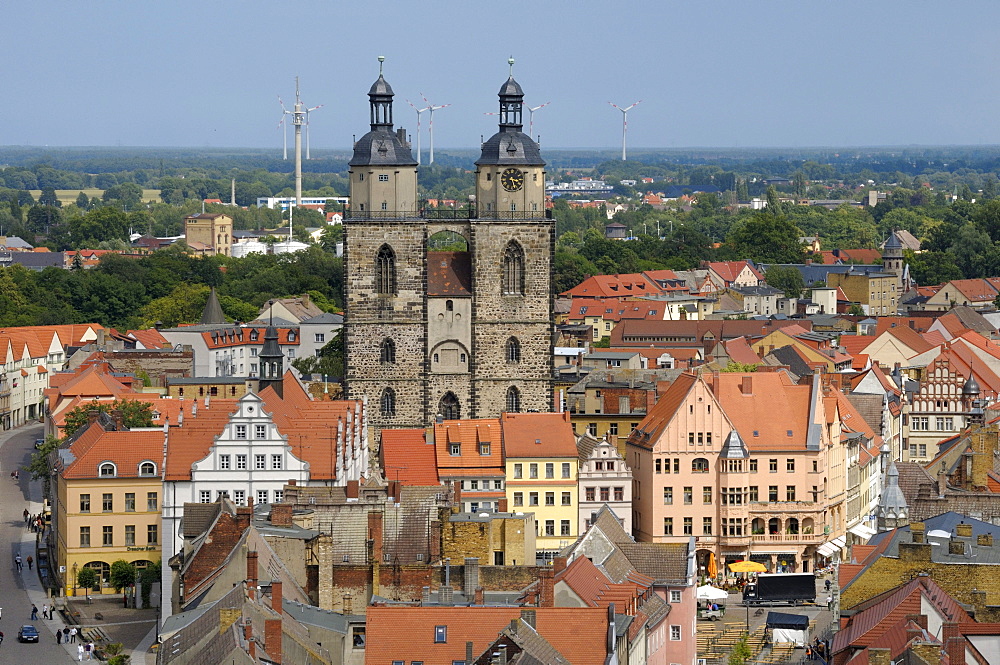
<point x="774" y="526"/>
<point x="449" y="407"/>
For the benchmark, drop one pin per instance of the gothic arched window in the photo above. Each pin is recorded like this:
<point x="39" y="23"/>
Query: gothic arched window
<point x="388" y="355"/>
<point x="385" y="271"/>
<point x="513" y="400"/>
<point x="513" y="350"/>
<point x="387" y="403"/>
<point x="513" y="270"/>
<point x="449" y="408"/>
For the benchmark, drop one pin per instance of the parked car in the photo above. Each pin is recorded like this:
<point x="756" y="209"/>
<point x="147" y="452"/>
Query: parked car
<point x="39" y="443"/>
<point x="27" y="634"/>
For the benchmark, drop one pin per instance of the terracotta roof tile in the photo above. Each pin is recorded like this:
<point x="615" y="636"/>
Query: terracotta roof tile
<point x="126" y="449"/>
<point x="408" y="457"/>
<point x="538" y="435"/>
<point x="750" y="400"/>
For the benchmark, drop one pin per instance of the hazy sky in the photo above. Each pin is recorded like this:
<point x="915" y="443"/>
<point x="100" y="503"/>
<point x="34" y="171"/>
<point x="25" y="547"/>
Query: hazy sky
<point x="711" y="72"/>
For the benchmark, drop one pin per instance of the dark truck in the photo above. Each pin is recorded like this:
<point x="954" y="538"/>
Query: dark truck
<point x="791" y="588"/>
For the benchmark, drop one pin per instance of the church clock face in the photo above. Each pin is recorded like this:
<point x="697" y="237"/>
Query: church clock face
<point x="512" y="179"/>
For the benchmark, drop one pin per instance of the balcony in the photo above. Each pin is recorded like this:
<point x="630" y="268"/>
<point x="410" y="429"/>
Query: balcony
<point x="787" y="538"/>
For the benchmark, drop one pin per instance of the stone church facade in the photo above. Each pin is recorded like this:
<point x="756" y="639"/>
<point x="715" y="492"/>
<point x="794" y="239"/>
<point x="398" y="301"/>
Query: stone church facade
<point x="456" y="334"/>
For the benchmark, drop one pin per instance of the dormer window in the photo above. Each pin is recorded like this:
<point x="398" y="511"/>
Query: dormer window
<point x="253" y="335"/>
<point x="147" y="469"/>
<point x="107" y="470"/>
<point x="291" y="335"/>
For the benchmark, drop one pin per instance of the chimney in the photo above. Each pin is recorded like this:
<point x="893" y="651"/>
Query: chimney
<point x="558" y="564"/>
<point x="471" y="574"/>
<point x="251" y="644"/>
<point x="546" y="597"/>
<point x="917" y="530"/>
<point x="119" y="419"/>
<point x="375" y="535"/>
<point x="528" y="617"/>
<point x="915" y="552"/>
<point x="985" y="539"/>
<point x="913" y="632"/>
<point x="955" y="646"/>
<point x="963" y="530"/>
<point x="276" y="596"/>
<point x="956" y="546"/>
<point x="251" y="574"/>
<point x="281" y="514"/>
<point x="446" y="595"/>
<point x="348" y="601"/>
<point x="478" y="597"/>
<point x="468" y="653"/>
<point x="435" y="542"/>
<point x="425" y="595"/>
<point x="352" y="490"/>
<point x="919" y="619"/>
<point x="502" y="505"/>
<point x="747" y="386"/>
<point x="92" y="416"/>
<point x="942" y="480"/>
<point x="456" y="494"/>
<point x="272" y="639"/>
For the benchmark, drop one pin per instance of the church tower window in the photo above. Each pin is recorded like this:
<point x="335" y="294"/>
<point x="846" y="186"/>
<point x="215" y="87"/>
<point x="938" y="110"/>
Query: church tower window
<point x="513" y="350"/>
<point x="385" y="271"/>
<point x="387" y="403"/>
<point x="388" y="354"/>
<point x="513" y="400"/>
<point x="449" y="408"/>
<point x="513" y="270"/>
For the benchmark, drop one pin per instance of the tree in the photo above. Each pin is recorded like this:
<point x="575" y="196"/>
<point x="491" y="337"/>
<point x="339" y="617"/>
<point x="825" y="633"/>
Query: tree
<point x="134" y="414"/>
<point x="147" y="578"/>
<point x="122" y="577"/>
<point x="82" y="201"/>
<point x="741" y="652"/>
<point x="48" y="198"/>
<point x="183" y="305"/>
<point x="86" y="578"/>
<point x="329" y="362"/>
<point x="736" y="368"/>
<point x="766" y="238"/>
<point x="787" y="279"/>
<point x="39" y="467"/>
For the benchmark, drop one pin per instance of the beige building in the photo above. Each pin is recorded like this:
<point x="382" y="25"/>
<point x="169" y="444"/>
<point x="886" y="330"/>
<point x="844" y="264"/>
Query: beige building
<point x="877" y="293"/>
<point x="209" y="233"/>
<point x="107" y="495"/>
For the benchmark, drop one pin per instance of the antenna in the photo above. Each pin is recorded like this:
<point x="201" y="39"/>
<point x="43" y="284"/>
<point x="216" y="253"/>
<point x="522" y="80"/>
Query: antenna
<point x="430" y="123"/>
<point x="419" y="111"/>
<point x="300" y="117"/>
<point x="625" y="121"/>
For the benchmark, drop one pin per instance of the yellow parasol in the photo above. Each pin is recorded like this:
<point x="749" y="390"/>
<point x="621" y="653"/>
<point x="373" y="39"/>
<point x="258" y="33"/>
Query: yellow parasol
<point x="747" y="567"/>
<point x="713" y="566"/>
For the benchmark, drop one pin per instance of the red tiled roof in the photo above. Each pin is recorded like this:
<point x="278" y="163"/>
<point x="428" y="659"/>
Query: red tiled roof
<point x="469" y="434"/>
<point x="652" y="426"/>
<point x="150" y="338"/>
<point x="538" y="435"/>
<point x="449" y="274"/>
<point x="976" y="290"/>
<point x="615" y="286"/>
<point x="739" y="351"/>
<point x="752" y="412"/>
<point x="407" y="457"/>
<point x="125" y="449"/>
<point x="239" y="336"/>
<point x="407" y="633"/>
<point x="855" y="344"/>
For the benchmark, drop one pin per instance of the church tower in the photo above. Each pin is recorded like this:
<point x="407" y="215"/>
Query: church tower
<point x="272" y="362"/>
<point x="512" y="244"/>
<point x="384" y="253"/>
<point x="448" y="311"/>
<point x="892" y="260"/>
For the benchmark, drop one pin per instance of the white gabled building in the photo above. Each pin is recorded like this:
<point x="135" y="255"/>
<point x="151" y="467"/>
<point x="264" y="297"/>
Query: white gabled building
<point x="249" y="449"/>
<point x="604" y="479"/>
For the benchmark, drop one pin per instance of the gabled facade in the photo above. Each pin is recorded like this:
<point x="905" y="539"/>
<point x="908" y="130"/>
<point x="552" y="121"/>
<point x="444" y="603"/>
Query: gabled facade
<point x="605" y="480"/>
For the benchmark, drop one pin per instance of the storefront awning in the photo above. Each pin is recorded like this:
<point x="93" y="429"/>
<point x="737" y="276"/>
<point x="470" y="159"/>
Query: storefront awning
<point x="831" y="547"/>
<point x="862" y="531"/>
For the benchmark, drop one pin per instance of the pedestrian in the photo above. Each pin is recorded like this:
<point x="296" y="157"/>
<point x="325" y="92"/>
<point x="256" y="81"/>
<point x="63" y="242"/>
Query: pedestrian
<point x="828" y="584"/>
<point x="72" y="634"/>
<point x="30" y="561"/>
<point x="59" y="636"/>
<point x="34" y="613"/>
<point x="829" y="602"/>
<point x="1" y="637"/>
<point x="79" y="652"/>
<point x="65" y="633"/>
<point x="17" y="562"/>
<point x="16" y="474"/>
<point x="809" y="652"/>
<point x="88" y="648"/>
<point x="45" y="611"/>
<point x="25" y="515"/>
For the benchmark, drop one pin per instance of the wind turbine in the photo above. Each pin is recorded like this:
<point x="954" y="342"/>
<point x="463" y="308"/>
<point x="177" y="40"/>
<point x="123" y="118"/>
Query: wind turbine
<point x="284" y="128"/>
<point x="625" y="121"/>
<point x="308" y="111"/>
<point x="419" y="111"/>
<point x="531" y="117"/>
<point x="430" y="122"/>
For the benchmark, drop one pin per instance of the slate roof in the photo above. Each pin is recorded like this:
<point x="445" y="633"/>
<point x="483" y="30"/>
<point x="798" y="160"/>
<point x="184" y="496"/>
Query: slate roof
<point x="663" y="562"/>
<point x="213" y="310"/>
<point x="381" y="147"/>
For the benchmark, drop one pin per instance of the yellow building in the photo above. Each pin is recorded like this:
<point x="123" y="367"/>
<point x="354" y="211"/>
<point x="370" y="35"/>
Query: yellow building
<point x="209" y="233"/>
<point x="107" y="498"/>
<point x="876" y="293"/>
<point x="541" y="466"/>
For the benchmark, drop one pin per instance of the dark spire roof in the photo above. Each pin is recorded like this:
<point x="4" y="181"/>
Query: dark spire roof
<point x="892" y="242"/>
<point x="382" y="146"/>
<point x="510" y="146"/>
<point x="213" y="310"/>
<point x="971" y="386"/>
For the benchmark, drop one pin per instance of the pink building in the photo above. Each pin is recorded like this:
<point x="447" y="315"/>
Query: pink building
<point x="605" y="480"/>
<point x="736" y="461"/>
